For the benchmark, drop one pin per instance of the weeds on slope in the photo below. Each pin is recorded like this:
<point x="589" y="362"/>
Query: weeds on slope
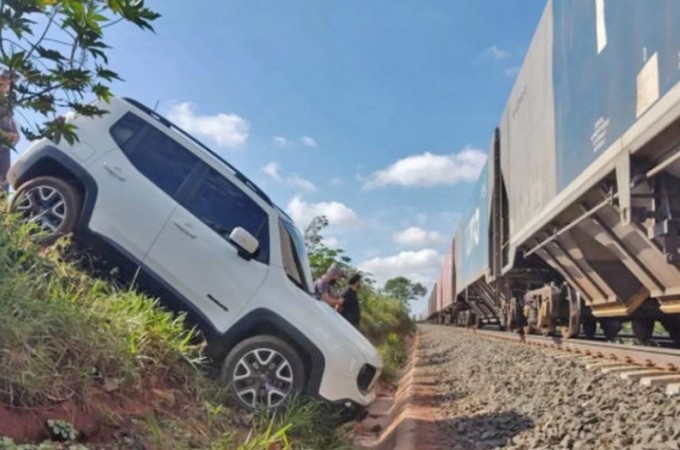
<point x="63" y="330"/>
<point x="385" y="321"/>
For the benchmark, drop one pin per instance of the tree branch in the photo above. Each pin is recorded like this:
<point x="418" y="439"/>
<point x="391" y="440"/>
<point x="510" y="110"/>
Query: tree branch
<point x="14" y="43"/>
<point x="2" y="41"/>
<point x="38" y="94"/>
<point x="47" y="27"/>
<point x="58" y="41"/>
<point x="113" y="23"/>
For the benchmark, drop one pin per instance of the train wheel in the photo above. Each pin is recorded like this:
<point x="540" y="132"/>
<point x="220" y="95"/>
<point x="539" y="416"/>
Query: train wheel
<point x="572" y="328"/>
<point x="544" y="321"/>
<point x="611" y="328"/>
<point x="478" y="322"/>
<point x="589" y="328"/>
<point x="672" y="325"/>
<point x="643" y="330"/>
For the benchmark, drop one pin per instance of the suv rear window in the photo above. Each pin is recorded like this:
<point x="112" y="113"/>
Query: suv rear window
<point x="161" y="159"/>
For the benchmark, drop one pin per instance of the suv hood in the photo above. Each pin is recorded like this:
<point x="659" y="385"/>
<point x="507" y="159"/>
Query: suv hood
<point x="340" y="327"/>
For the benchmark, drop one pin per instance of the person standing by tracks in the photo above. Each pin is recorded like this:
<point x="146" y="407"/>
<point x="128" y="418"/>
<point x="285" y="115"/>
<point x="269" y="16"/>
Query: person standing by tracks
<point x="322" y="286"/>
<point x="350" y="307"/>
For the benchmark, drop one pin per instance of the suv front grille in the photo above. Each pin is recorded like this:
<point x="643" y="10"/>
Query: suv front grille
<point x="365" y="378"/>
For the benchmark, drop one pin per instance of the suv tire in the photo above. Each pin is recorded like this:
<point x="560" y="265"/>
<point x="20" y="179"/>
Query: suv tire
<point x="262" y="372"/>
<point x="52" y="203"/>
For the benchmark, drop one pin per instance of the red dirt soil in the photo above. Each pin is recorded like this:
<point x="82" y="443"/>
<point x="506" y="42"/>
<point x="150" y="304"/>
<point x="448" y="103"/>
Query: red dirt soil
<point x="97" y="418"/>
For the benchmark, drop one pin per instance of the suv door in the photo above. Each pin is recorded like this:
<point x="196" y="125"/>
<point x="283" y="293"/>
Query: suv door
<point x="193" y="253"/>
<point x="136" y="184"/>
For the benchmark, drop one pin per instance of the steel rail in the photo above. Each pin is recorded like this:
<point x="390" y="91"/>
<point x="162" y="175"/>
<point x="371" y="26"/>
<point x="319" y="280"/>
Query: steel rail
<point x="654" y="357"/>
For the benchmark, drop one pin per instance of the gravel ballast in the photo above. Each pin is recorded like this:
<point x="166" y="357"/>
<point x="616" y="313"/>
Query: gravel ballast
<point x="494" y="394"/>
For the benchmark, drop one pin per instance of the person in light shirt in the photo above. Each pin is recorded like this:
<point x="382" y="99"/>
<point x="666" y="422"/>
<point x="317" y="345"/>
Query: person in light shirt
<point x="322" y="286"/>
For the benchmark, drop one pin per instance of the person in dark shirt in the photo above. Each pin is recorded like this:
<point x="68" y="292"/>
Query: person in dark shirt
<point x="350" y="307"/>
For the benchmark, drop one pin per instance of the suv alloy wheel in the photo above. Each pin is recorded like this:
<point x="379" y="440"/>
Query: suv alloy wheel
<point x="51" y="203"/>
<point x="262" y="371"/>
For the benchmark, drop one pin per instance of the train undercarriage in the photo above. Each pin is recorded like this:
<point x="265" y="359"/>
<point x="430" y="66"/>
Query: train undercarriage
<point x="610" y="259"/>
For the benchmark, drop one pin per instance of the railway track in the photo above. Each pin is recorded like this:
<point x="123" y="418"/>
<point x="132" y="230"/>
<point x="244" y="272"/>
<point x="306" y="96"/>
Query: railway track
<point x="649" y="365"/>
<point x="476" y="389"/>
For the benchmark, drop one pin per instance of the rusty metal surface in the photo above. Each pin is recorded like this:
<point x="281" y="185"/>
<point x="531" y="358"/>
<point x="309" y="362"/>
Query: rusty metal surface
<point x="446" y="278"/>
<point x="660" y="358"/>
<point x="527" y="131"/>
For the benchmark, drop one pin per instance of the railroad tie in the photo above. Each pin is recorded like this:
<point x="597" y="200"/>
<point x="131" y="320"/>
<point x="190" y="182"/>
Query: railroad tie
<point x="661" y="380"/>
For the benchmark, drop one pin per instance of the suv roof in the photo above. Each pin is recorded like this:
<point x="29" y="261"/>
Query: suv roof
<point x="244" y="179"/>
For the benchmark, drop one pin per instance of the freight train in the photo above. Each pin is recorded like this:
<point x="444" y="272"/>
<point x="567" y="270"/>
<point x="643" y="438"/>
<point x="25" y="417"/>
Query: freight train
<point x="574" y="220"/>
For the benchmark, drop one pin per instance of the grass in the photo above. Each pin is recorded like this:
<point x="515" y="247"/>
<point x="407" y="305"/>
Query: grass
<point x="64" y="331"/>
<point x="385" y="321"/>
<point x="69" y="338"/>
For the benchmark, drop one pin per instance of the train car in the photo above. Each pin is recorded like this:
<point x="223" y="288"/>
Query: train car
<point x="574" y="218"/>
<point x="472" y="256"/>
<point x="432" y="305"/>
<point x="446" y="285"/>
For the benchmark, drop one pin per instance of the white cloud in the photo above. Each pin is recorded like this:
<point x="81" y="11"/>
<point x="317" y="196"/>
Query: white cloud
<point x="496" y="53"/>
<point x="274" y="171"/>
<point x="297" y="181"/>
<point x="331" y="242"/>
<point x="225" y="130"/>
<point x="309" y="141"/>
<point x="421" y="266"/>
<point x="336" y="181"/>
<point x="431" y="170"/>
<point x="339" y="215"/>
<point x="417" y="237"/>
<point x="281" y="141"/>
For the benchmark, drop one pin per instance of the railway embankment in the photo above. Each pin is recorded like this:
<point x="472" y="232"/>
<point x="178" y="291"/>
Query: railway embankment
<point x="463" y="391"/>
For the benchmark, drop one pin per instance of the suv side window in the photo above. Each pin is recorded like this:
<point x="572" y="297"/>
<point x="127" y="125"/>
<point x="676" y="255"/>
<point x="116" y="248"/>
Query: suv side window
<point x="156" y="155"/>
<point x="223" y="206"/>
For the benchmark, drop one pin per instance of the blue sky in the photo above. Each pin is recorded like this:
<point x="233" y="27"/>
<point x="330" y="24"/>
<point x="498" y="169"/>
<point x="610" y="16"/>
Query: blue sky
<point x="377" y="113"/>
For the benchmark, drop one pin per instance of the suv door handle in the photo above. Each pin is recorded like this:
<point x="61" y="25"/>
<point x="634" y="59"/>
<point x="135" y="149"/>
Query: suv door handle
<point x="115" y="171"/>
<point x="186" y="229"/>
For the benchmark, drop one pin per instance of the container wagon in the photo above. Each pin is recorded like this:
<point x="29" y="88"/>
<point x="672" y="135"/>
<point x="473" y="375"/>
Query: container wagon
<point x="574" y="220"/>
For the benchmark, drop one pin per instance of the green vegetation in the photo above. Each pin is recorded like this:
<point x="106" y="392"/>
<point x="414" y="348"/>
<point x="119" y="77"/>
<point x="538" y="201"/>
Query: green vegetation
<point x="64" y="331"/>
<point x="111" y="357"/>
<point x="386" y="323"/>
<point x="404" y="289"/>
<point x="56" y="52"/>
<point x="385" y="317"/>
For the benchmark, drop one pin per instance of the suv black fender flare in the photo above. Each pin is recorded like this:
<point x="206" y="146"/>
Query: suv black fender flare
<point x="264" y="321"/>
<point x="51" y="161"/>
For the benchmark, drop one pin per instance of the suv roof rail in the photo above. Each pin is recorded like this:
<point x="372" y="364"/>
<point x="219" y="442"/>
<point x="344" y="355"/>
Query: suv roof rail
<point x="244" y="179"/>
<point x="284" y="214"/>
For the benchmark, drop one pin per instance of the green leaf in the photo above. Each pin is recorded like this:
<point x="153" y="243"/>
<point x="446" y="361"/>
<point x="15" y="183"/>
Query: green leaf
<point x="102" y="92"/>
<point x="49" y="54"/>
<point x="106" y="74"/>
<point x="59" y="76"/>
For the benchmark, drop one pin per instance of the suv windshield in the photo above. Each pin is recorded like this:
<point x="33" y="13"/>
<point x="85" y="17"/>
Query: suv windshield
<point x="294" y="253"/>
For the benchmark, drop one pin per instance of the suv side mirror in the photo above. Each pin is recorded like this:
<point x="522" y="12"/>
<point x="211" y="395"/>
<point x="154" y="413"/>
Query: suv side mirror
<point x="245" y="242"/>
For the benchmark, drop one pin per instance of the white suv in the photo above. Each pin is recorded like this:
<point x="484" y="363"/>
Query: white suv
<point x="199" y="234"/>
